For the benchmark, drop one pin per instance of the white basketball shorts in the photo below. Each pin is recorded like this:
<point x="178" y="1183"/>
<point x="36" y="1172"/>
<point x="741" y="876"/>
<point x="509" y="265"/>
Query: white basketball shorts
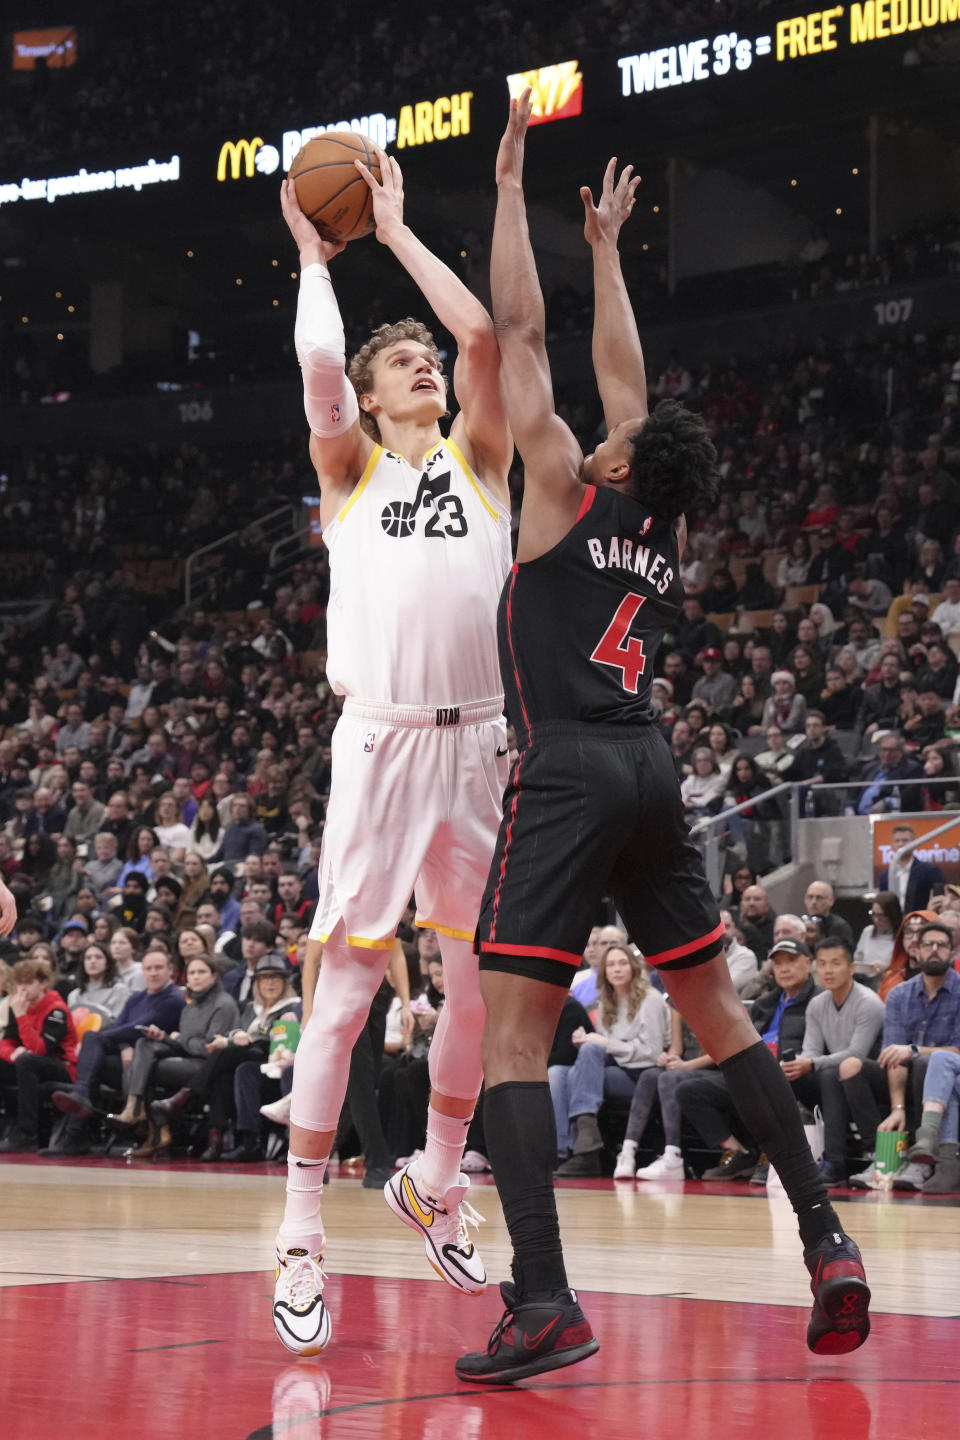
<point x="415" y="804"/>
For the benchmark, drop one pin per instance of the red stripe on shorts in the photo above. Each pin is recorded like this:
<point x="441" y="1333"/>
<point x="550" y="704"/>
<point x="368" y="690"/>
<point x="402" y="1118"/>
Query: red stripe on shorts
<point x="499" y="949"/>
<point x="506" y="848"/>
<point x="680" y="950"/>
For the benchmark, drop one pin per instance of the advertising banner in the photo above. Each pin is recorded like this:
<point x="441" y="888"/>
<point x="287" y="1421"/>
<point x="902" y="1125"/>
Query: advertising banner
<point x="943" y="852"/>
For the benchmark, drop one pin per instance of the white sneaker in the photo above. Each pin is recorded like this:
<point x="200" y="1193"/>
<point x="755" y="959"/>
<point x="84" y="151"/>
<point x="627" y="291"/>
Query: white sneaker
<point x="300" y="1318"/>
<point x="668" y="1166"/>
<point x="626" y="1161"/>
<point x="912" y="1176"/>
<point x="279" y="1111"/>
<point x="442" y="1221"/>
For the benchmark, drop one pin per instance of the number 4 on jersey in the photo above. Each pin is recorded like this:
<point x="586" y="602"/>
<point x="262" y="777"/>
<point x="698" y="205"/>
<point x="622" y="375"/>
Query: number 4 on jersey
<point x="619" y="652"/>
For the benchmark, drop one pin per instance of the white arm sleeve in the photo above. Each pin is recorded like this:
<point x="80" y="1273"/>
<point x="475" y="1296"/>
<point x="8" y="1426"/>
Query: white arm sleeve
<point x="328" y="397"/>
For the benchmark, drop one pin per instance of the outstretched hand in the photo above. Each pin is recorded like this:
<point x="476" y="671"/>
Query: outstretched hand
<point x="603" y="221"/>
<point x="305" y="233"/>
<point x="510" y="154"/>
<point x="387" y="194"/>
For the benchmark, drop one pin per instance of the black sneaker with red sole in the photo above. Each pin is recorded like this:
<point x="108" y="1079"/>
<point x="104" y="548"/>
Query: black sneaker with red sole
<point x="840" y="1321"/>
<point x="532" y="1336"/>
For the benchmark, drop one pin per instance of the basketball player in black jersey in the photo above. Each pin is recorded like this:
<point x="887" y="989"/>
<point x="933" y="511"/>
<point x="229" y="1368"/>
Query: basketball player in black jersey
<point x="593" y="805"/>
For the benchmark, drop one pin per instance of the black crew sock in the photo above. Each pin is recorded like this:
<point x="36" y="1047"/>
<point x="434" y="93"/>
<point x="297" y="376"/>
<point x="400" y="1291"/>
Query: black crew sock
<point x="521" y="1136"/>
<point x="768" y="1108"/>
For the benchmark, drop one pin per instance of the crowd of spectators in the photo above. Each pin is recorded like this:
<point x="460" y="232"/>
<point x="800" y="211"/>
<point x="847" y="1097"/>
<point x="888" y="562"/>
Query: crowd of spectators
<point x="855" y="1024"/>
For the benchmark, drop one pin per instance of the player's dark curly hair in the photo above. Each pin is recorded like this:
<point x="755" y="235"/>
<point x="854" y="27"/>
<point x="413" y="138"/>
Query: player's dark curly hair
<point x="674" y="461"/>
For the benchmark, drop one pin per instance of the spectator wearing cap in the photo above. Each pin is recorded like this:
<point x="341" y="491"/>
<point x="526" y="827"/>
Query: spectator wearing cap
<point x="39" y="1040"/>
<point x="844" y="1021"/>
<point x="30" y="931"/>
<point x="230" y="1081"/>
<point x="785" y="707"/>
<point x="892" y="764"/>
<point x="71" y="942"/>
<point x="716" y="687"/>
<point x="780" y="1017"/>
<point x="133" y="903"/>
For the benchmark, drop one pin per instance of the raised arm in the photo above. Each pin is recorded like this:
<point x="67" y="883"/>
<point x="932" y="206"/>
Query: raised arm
<point x="339" y="448"/>
<point x="617" y="353"/>
<point x="551" y="456"/>
<point x="481" y="427"/>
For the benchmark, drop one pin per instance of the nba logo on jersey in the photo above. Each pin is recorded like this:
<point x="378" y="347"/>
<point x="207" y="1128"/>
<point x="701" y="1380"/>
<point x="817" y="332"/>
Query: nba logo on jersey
<point x="368" y="742"/>
<point x="335" y="414"/>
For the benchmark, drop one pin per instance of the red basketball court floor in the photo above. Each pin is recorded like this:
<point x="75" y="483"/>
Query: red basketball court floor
<point x="123" y="1356"/>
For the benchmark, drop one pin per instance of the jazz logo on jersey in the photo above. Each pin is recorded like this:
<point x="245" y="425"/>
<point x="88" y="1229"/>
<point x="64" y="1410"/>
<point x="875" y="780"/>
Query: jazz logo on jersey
<point x="446" y="519"/>
<point x="368" y="742"/>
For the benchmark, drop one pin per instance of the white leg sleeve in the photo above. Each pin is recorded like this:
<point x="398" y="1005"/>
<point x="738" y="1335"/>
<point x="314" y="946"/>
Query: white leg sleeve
<point x="328" y="397"/>
<point x="349" y="979"/>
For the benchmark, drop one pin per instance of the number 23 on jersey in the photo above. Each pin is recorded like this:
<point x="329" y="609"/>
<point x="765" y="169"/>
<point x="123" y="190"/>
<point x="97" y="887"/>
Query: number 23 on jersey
<point x="615" y="647"/>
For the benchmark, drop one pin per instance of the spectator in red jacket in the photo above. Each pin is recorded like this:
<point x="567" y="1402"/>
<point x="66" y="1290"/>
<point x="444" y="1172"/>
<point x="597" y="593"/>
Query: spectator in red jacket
<point x="40" y="1042"/>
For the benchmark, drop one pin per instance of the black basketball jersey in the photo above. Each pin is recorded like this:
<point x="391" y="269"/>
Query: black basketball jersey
<point x="579" y="627"/>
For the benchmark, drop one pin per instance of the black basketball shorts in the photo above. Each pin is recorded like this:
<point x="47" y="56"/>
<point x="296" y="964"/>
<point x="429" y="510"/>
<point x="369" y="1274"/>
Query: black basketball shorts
<point x="594" y="810"/>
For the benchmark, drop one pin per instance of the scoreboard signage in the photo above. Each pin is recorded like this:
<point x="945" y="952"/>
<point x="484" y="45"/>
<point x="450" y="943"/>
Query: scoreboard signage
<point x="797" y="37"/>
<point x="590" y="89"/>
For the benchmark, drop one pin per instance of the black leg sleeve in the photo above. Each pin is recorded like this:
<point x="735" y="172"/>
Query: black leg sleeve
<point x="768" y="1109"/>
<point x="521" y="1140"/>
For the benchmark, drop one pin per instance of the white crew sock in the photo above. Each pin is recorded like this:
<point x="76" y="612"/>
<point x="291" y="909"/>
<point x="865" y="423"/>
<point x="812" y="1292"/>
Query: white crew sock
<point x="302" y="1225"/>
<point x="439" y="1165"/>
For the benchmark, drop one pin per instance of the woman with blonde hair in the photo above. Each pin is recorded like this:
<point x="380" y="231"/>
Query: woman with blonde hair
<point x="632" y="1033"/>
<point x="196" y="882"/>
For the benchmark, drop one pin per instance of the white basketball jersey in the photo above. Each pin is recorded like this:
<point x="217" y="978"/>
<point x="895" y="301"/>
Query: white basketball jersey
<point x="417" y="563"/>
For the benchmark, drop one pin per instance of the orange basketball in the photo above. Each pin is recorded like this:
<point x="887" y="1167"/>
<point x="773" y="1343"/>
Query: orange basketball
<point x="330" y="189"/>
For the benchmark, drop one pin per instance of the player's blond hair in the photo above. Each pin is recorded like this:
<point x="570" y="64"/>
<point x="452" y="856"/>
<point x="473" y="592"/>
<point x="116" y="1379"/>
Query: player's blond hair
<point x="637" y="993"/>
<point x="360" y="369"/>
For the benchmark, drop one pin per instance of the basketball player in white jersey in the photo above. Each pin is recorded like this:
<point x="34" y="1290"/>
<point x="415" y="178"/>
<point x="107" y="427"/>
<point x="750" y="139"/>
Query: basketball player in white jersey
<point x="418" y="530"/>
